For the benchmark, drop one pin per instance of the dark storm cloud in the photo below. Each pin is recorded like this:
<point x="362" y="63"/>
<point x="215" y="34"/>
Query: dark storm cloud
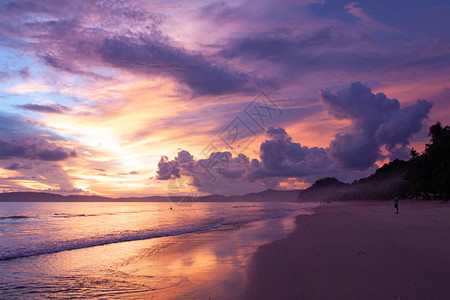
<point x="155" y="57"/>
<point x="33" y="148"/>
<point x="52" y="108"/>
<point x="376" y="121"/>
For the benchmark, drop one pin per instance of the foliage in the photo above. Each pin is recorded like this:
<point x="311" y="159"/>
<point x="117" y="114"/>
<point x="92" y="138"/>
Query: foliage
<point x="425" y="176"/>
<point x="429" y="173"/>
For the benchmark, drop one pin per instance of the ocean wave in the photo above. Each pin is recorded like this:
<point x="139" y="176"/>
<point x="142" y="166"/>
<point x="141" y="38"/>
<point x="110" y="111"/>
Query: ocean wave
<point x="51" y="247"/>
<point x="68" y="215"/>
<point x="55" y="247"/>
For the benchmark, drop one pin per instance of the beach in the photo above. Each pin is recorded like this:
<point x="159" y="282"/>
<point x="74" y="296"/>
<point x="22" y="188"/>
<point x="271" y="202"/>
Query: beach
<point x="340" y="250"/>
<point x="358" y="250"/>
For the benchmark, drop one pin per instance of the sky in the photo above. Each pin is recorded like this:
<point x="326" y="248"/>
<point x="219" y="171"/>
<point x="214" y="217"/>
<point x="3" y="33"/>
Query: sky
<point x="137" y="98"/>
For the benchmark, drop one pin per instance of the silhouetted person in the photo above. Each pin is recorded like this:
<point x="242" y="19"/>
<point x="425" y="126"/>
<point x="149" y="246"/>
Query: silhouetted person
<point x="396" y="203"/>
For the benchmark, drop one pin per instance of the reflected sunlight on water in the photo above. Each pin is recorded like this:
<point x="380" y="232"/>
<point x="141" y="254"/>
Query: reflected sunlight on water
<point x="199" y="264"/>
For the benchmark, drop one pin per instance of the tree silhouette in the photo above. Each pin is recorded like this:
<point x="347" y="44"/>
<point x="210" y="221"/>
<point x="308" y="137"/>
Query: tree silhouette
<point x="425" y="175"/>
<point x="429" y="173"/>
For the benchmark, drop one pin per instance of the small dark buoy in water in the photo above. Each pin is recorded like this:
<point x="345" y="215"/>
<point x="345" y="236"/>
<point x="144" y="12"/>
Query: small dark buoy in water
<point x="170" y="208"/>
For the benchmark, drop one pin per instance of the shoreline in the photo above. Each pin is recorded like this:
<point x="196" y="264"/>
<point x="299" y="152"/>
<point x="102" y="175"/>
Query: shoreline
<point x="358" y="250"/>
<point x="197" y="265"/>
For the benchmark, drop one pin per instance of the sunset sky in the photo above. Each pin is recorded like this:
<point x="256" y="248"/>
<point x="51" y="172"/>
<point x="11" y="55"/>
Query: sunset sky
<point x="120" y="98"/>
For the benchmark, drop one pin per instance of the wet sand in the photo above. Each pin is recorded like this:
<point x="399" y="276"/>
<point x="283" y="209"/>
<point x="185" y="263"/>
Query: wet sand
<point x="358" y="250"/>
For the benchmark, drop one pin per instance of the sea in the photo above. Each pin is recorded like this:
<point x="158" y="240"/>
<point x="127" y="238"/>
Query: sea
<point x="134" y="250"/>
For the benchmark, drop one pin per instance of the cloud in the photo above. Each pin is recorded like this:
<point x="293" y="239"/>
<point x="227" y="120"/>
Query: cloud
<point x="156" y="57"/>
<point x="52" y="108"/>
<point x="17" y="166"/>
<point x="24" y="138"/>
<point x="376" y="121"/>
<point x="359" y="13"/>
<point x="297" y="54"/>
<point x="276" y="46"/>
<point x="33" y="148"/>
<point x="397" y="130"/>
<point x="281" y="157"/>
<point x="222" y="173"/>
<point x="167" y="169"/>
<point x="125" y="173"/>
<point x="14" y="126"/>
<point x="125" y="36"/>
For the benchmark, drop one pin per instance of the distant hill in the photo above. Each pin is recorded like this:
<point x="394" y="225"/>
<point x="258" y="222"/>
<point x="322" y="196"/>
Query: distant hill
<point x="383" y="184"/>
<point x="264" y="196"/>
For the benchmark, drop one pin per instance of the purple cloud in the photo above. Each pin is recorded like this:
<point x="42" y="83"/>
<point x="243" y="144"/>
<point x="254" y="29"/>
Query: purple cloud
<point x="223" y="173"/>
<point x="156" y="57"/>
<point x="376" y="121"/>
<point x="17" y="166"/>
<point x="52" y="108"/>
<point x="167" y="169"/>
<point x="281" y="157"/>
<point x="33" y="148"/>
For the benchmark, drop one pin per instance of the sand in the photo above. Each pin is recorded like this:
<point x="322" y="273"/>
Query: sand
<point x="358" y="250"/>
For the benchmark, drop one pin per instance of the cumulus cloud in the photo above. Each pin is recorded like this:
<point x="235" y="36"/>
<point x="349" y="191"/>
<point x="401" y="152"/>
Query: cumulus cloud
<point x="376" y="121"/>
<point x="167" y="169"/>
<point x="222" y="173"/>
<point x="281" y="157"/>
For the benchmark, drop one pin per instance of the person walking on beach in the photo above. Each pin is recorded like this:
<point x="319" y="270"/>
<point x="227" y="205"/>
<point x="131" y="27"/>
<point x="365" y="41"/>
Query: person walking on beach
<point x="396" y="203"/>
